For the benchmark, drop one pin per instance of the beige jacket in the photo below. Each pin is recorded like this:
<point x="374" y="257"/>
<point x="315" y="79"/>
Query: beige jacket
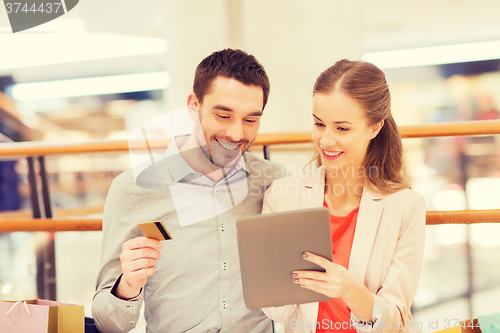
<point x="386" y="253"/>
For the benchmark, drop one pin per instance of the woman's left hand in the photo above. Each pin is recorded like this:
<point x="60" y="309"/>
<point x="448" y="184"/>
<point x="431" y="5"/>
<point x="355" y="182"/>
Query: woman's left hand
<point x="335" y="282"/>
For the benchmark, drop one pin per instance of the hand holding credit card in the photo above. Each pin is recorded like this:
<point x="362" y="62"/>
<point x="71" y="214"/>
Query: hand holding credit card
<point x="138" y="259"/>
<point x="155" y="230"/>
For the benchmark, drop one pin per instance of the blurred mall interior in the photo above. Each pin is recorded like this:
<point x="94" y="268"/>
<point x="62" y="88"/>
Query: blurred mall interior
<point x="106" y="67"/>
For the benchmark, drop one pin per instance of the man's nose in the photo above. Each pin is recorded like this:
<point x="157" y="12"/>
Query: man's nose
<point x="235" y="131"/>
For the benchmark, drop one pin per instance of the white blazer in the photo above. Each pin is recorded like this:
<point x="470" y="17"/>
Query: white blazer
<point x="386" y="253"/>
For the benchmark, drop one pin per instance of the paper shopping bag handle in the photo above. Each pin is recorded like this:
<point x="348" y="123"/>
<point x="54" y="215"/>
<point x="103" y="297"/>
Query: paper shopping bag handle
<point x="15" y="304"/>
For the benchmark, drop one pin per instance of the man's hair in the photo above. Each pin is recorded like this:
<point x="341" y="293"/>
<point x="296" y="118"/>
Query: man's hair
<point x="233" y="64"/>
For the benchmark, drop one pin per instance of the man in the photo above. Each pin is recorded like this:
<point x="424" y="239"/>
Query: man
<point x="191" y="283"/>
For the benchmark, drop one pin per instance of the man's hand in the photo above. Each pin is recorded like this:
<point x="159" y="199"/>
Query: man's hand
<point x="138" y="261"/>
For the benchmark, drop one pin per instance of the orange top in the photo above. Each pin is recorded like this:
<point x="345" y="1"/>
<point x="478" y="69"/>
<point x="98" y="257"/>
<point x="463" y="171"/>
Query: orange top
<point x="334" y="315"/>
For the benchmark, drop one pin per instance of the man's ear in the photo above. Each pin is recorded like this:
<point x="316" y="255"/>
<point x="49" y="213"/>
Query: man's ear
<point x="375" y="129"/>
<point x="192" y="105"/>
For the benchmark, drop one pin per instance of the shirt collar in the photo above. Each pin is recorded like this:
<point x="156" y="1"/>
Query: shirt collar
<point x="179" y="168"/>
<point x="242" y="163"/>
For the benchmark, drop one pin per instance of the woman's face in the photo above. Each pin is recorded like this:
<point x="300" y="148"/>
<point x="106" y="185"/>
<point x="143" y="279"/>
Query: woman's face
<point x="341" y="132"/>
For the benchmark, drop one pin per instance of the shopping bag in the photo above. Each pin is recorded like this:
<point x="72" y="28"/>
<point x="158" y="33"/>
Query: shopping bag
<point x="90" y="326"/>
<point x="41" y="316"/>
<point x="481" y="324"/>
<point x="490" y="323"/>
<point x="470" y="326"/>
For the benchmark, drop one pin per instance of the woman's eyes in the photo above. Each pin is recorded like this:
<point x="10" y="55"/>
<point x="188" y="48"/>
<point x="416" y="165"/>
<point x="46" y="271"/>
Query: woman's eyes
<point x="342" y="129"/>
<point x="221" y="116"/>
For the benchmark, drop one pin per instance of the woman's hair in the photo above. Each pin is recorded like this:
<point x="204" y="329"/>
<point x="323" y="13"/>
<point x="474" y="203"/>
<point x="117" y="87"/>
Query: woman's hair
<point x="366" y="84"/>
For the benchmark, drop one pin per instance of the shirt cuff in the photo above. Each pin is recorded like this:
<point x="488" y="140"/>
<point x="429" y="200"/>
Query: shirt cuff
<point x="133" y="299"/>
<point x="380" y="315"/>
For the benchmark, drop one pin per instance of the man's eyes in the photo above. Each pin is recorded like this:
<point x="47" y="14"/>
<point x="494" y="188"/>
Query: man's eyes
<point x="226" y="117"/>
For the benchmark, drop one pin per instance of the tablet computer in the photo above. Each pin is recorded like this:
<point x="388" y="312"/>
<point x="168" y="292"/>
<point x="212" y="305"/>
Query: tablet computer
<point x="270" y="249"/>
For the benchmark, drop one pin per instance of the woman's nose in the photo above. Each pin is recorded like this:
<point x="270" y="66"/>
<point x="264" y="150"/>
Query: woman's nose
<point x="328" y="140"/>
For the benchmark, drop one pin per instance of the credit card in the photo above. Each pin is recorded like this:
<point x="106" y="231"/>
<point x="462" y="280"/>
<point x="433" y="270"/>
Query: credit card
<point x="155" y="230"/>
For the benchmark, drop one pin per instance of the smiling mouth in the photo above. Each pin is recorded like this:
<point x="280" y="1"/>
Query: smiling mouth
<point x="227" y="145"/>
<point x="331" y="154"/>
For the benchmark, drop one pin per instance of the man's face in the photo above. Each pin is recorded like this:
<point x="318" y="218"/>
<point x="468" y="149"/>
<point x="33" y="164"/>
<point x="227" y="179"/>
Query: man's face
<point x="230" y="119"/>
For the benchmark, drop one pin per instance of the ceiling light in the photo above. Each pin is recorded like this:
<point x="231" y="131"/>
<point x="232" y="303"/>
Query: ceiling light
<point x="25" y="50"/>
<point x="434" y="55"/>
<point x="102" y="85"/>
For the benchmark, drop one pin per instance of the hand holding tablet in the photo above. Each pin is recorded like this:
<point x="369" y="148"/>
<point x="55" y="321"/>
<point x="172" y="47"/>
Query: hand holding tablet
<point x="271" y="247"/>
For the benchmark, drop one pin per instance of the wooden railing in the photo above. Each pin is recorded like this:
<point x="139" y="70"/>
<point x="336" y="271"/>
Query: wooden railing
<point x="95" y="224"/>
<point x="51" y="225"/>
<point x="10" y="118"/>
<point x="25" y="214"/>
<point x="489" y="127"/>
<point x="42" y="149"/>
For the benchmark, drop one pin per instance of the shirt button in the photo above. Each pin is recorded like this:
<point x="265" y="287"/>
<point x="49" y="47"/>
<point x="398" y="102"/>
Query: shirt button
<point x="222" y="227"/>
<point x="224" y="304"/>
<point x="224" y="266"/>
<point x="131" y="323"/>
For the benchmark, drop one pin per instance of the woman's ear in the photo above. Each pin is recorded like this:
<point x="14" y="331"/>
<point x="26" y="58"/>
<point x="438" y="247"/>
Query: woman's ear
<point x="192" y="105"/>
<point x="375" y="129"/>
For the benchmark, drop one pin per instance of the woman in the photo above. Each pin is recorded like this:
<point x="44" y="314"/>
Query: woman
<point x="377" y="222"/>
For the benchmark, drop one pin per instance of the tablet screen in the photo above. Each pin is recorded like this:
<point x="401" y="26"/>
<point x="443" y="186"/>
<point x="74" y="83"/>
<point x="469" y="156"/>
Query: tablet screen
<point x="271" y="247"/>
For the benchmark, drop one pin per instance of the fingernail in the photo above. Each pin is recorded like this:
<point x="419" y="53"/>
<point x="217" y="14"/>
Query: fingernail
<point x="295" y="274"/>
<point x="296" y="280"/>
<point x="160" y="245"/>
<point x="305" y="255"/>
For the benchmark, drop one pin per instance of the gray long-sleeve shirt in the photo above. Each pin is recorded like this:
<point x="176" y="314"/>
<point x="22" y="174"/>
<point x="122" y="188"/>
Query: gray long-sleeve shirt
<point x="197" y="283"/>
